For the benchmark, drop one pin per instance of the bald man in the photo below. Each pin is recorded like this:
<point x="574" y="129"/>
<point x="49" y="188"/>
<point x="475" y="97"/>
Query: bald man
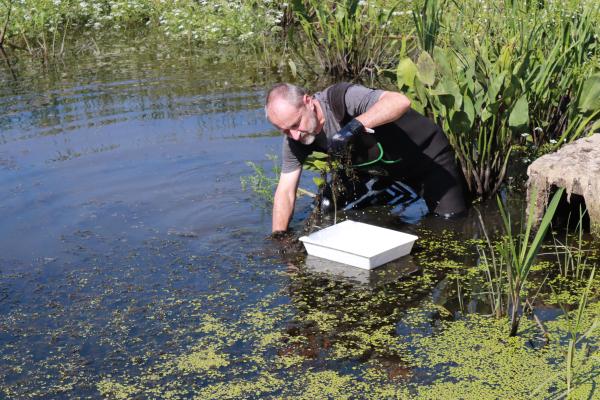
<point x="385" y="137"/>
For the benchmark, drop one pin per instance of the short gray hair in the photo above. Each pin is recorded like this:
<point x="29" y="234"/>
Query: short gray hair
<point x="291" y="93"/>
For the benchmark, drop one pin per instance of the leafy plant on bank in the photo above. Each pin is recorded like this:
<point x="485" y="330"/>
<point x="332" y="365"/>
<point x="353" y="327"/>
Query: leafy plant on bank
<point x="563" y="90"/>
<point x="479" y="100"/>
<point x="492" y="93"/>
<point x="346" y="39"/>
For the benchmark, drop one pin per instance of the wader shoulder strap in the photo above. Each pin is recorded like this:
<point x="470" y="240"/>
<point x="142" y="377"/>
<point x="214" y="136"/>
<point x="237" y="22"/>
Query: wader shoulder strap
<point x="336" y="98"/>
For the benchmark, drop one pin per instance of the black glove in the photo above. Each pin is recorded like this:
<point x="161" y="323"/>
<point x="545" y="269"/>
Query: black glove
<point x="339" y="141"/>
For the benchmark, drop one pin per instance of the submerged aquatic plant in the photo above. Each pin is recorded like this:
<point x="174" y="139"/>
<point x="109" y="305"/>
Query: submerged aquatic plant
<point x="261" y="182"/>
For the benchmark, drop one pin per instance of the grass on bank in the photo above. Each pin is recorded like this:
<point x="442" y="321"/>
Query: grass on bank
<point x="35" y="25"/>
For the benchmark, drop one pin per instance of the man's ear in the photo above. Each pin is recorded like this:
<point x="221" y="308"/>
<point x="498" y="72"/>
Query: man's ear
<point x="307" y="99"/>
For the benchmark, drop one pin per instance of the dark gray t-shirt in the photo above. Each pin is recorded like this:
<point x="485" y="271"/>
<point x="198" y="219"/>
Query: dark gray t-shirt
<point x="358" y="99"/>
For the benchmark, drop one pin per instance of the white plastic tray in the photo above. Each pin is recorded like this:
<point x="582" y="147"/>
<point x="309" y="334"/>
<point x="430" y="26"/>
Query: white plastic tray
<point x="358" y="244"/>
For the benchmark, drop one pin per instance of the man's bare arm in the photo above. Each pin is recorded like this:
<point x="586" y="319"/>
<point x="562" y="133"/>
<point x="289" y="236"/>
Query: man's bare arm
<point x="285" y="199"/>
<point x="389" y="107"/>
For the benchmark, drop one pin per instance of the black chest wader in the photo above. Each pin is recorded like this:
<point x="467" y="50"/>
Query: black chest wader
<point x="411" y="151"/>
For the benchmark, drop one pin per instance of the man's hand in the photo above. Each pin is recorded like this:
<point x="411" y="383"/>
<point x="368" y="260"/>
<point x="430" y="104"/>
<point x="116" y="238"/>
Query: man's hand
<point x="281" y="235"/>
<point x="339" y="141"/>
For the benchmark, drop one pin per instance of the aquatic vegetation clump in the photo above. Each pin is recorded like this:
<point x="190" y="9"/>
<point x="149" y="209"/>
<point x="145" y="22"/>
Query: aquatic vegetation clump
<point x="262" y="182"/>
<point x="202" y="360"/>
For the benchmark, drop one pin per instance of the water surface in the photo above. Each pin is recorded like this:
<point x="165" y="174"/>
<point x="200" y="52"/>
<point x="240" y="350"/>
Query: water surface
<point x="132" y="265"/>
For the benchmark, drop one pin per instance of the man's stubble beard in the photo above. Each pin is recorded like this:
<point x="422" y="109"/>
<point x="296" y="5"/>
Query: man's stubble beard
<point x="310" y="135"/>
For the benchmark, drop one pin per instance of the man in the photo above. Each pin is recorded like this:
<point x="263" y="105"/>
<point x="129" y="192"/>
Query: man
<point x="384" y="136"/>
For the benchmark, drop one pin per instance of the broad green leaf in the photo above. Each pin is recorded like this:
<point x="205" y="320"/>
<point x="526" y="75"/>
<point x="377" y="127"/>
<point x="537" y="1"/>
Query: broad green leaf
<point x="442" y="61"/>
<point x="446" y="86"/>
<point x="590" y="94"/>
<point x="320" y="165"/>
<point x="426" y="69"/>
<point x="495" y="86"/>
<point x="449" y="94"/>
<point x="468" y="108"/>
<point x="421" y="92"/>
<point x="448" y="101"/>
<point x="406" y="72"/>
<point x="459" y="123"/>
<point x="319" y="155"/>
<point x="485" y="114"/>
<point x="512" y="88"/>
<point x="519" y="116"/>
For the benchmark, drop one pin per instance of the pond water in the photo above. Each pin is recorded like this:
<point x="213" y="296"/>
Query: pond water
<point x="133" y="265"/>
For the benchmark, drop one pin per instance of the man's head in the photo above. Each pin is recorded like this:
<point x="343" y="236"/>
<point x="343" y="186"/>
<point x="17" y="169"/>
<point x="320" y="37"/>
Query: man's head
<point x="293" y="112"/>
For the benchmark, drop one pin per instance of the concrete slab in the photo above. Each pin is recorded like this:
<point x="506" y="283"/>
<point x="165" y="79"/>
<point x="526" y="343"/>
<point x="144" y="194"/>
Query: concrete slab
<point x="575" y="167"/>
